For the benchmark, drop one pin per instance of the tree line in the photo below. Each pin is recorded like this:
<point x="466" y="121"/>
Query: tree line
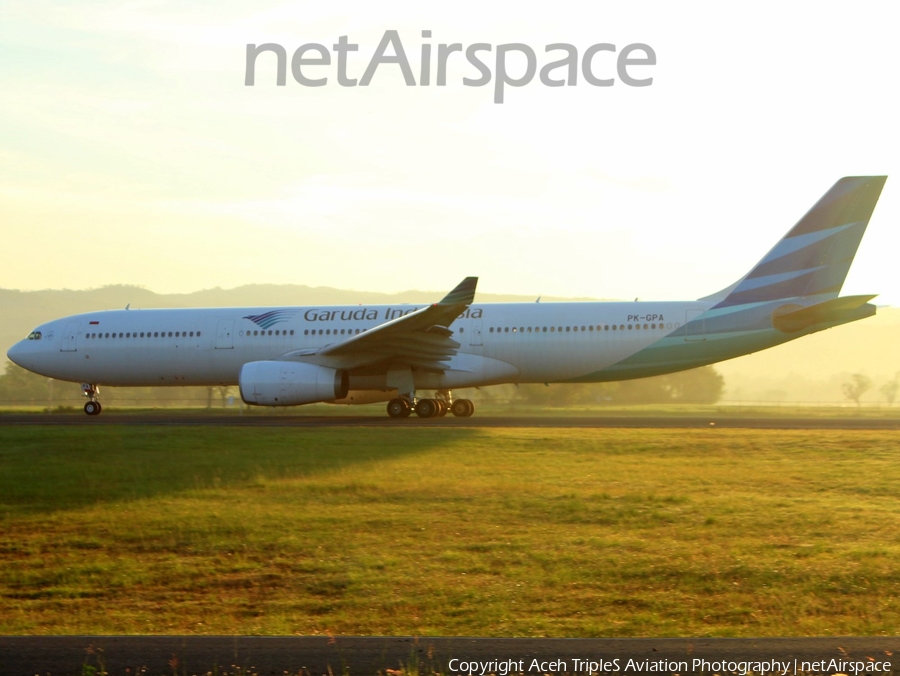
<point x="697" y="386"/>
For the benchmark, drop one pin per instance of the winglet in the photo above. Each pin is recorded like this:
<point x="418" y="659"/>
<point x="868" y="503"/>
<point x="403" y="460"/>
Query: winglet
<point x="463" y="294"/>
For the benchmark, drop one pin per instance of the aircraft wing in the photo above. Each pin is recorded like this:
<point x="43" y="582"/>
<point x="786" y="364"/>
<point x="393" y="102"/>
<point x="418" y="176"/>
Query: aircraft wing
<point x="419" y="339"/>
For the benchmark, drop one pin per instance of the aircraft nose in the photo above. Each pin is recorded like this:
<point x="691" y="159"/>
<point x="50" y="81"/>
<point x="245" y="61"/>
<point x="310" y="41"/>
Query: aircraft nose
<point x="16" y="354"/>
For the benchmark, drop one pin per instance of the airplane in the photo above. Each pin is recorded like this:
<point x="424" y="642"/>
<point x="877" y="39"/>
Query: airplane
<point x="287" y="356"/>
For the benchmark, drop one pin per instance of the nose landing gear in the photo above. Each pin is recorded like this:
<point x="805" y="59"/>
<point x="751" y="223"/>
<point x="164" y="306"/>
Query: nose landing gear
<point x="92" y="392"/>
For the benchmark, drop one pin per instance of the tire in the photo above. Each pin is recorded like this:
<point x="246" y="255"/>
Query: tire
<point x="443" y="408"/>
<point x="92" y="408"/>
<point x="470" y="407"/>
<point x="426" y="408"/>
<point x="460" y="408"/>
<point x="398" y="408"/>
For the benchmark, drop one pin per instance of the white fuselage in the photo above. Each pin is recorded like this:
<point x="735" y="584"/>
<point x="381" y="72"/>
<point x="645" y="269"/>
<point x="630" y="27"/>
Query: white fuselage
<point x="500" y="342"/>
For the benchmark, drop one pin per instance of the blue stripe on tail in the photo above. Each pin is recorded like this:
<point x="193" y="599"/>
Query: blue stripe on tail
<point x="814" y="257"/>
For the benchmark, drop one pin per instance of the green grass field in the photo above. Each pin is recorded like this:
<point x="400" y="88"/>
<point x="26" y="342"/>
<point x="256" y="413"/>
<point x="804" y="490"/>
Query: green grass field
<point x="602" y="532"/>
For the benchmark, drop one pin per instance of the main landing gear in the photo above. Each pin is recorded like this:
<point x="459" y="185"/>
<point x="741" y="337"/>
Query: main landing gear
<point x="92" y="392"/>
<point x="443" y="403"/>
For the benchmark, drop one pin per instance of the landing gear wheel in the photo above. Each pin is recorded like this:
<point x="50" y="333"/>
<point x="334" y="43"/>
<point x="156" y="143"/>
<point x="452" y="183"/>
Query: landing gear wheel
<point x="462" y="408"/>
<point x="398" y="408"/>
<point x="443" y="408"/>
<point x="426" y="408"/>
<point x="92" y="408"/>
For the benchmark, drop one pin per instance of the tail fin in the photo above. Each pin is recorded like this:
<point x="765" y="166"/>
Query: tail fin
<point x="814" y="257"/>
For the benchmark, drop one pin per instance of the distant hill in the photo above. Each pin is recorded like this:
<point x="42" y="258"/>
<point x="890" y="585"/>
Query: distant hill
<point x="811" y="369"/>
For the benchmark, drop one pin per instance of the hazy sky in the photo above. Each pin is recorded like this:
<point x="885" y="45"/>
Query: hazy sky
<point x="132" y="153"/>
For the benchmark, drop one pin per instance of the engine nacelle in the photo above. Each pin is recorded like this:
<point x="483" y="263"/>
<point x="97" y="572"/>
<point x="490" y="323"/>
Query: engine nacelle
<point x="287" y="383"/>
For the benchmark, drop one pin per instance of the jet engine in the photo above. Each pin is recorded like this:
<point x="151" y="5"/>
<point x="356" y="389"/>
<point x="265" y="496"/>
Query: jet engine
<point x="284" y="383"/>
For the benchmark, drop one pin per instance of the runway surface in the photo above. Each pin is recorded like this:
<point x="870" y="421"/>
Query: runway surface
<point x="368" y="656"/>
<point x="485" y="421"/>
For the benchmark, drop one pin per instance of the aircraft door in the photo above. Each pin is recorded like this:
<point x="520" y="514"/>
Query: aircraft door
<point x="224" y="331"/>
<point x="475" y="337"/>
<point x="70" y="339"/>
<point x="694" y="328"/>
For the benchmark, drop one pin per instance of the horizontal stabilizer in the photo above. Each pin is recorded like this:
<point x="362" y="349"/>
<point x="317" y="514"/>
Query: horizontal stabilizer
<point x="793" y="318"/>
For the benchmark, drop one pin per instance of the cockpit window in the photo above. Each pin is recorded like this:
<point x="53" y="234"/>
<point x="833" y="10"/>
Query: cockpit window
<point x="34" y="335"/>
